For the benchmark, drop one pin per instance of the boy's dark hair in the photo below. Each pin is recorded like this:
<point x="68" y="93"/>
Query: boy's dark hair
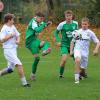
<point x="8" y="17"/>
<point x="68" y="12"/>
<point x="85" y="19"/>
<point x="40" y="14"/>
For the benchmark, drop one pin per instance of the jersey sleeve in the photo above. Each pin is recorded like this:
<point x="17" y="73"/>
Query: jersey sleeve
<point x="2" y="34"/>
<point x="93" y="37"/>
<point x="34" y="25"/>
<point x="59" y="27"/>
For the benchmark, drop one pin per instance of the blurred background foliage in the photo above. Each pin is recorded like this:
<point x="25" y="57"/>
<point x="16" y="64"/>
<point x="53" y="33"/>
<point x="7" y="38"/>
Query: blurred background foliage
<point x="53" y="9"/>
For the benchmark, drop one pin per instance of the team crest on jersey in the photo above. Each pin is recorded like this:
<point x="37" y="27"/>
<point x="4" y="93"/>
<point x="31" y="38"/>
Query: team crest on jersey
<point x="69" y="34"/>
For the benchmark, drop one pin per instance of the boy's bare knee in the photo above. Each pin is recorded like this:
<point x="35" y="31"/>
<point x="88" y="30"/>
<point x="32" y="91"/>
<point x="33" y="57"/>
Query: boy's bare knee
<point x="42" y="43"/>
<point x="77" y="60"/>
<point x="35" y="55"/>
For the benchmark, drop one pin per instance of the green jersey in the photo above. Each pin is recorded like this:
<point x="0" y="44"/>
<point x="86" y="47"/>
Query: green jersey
<point x="32" y="31"/>
<point x="66" y="30"/>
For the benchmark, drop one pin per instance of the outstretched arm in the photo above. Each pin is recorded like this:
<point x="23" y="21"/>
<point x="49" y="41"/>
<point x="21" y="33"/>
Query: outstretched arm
<point x="96" y="50"/>
<point x="40" y="28"/>
<point x="97" y="42"/>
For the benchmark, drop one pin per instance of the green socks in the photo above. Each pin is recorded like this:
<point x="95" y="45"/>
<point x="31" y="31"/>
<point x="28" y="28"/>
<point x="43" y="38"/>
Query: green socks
<point x="34" y="66"/>
<point x="62" y="70"/>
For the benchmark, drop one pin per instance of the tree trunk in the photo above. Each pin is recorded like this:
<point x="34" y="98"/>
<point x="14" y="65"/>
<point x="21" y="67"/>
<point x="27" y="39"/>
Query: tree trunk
<point x="50" y="5"/>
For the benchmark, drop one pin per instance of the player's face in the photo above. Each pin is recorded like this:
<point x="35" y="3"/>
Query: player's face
<point x="68" y="17"/>
<point x="85" y="25"/>
<point x="11" y="21"/>
<point x="39" y="19"/>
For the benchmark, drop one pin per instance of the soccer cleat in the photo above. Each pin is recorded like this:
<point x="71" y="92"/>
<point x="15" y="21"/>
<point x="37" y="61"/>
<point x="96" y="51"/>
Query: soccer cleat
<point x="80" y="78"/>
<point x="61" y="76"/>
<point x="83" y="73"/>
<point x="77" y="82"/>
<point x="46" y="52"/>
<point x="27" y="85"/>
<point x="32" y="77"/>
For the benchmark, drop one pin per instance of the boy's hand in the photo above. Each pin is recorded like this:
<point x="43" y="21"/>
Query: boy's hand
<point x="58" y="44"/>
<point x="12" y="34"/>
<point x="95" y="52"/>
<point x="49" y="23"/>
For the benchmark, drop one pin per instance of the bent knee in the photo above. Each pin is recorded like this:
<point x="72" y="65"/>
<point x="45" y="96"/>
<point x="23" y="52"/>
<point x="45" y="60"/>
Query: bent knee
<point x="42" y="43"/>
<point x="77" y="60"/>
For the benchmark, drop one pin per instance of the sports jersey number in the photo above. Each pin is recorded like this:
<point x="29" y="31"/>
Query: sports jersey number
<point x="69" y="34"/>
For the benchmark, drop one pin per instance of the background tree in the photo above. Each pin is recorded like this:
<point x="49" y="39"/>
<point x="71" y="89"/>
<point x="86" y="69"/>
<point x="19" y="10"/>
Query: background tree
<point x="54" y="9"/>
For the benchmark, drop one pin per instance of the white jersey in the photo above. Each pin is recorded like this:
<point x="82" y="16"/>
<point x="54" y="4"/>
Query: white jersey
<point x="6" y="30"/>
<point x="84" y="43"/>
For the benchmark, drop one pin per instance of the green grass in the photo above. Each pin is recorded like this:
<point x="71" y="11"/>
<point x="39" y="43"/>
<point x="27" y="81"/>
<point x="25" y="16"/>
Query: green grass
<point x="48" y="86"/>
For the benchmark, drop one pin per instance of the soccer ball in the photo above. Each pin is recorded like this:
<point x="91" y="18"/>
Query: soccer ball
<point x="76" y="35"/>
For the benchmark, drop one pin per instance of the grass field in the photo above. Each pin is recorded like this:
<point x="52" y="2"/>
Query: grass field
<point x="48" y="86"/>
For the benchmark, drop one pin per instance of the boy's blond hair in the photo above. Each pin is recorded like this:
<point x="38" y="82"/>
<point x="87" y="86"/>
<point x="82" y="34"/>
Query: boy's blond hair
<point x="68" y="12"/>
<point x="85" y="19"/>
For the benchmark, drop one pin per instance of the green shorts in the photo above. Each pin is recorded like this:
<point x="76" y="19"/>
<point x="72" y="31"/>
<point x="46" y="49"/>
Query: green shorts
<point x="65" y="50"/>
<point x="35" y="46"/>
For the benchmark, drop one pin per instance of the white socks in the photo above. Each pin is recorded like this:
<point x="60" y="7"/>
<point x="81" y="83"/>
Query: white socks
<point x="23" y="80"/>
<point x="77" y="78"/>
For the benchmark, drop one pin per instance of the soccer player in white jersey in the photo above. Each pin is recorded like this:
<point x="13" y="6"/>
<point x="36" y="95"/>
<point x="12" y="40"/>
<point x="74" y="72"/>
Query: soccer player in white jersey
<point x="81" y="48"/>
<point x="10" y="38"/>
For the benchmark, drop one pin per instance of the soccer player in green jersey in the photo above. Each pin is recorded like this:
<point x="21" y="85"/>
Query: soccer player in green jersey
<point x="36" y="25"/>
<point x="66" y="28"/>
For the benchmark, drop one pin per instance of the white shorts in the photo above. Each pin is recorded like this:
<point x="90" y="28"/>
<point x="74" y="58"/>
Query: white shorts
<point x="83" y="56"/>
<point x="77" y="53"/>
<point x="11" y="57"/>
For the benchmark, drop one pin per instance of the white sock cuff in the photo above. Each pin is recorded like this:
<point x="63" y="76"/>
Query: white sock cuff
<point x="23" y="80"/>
